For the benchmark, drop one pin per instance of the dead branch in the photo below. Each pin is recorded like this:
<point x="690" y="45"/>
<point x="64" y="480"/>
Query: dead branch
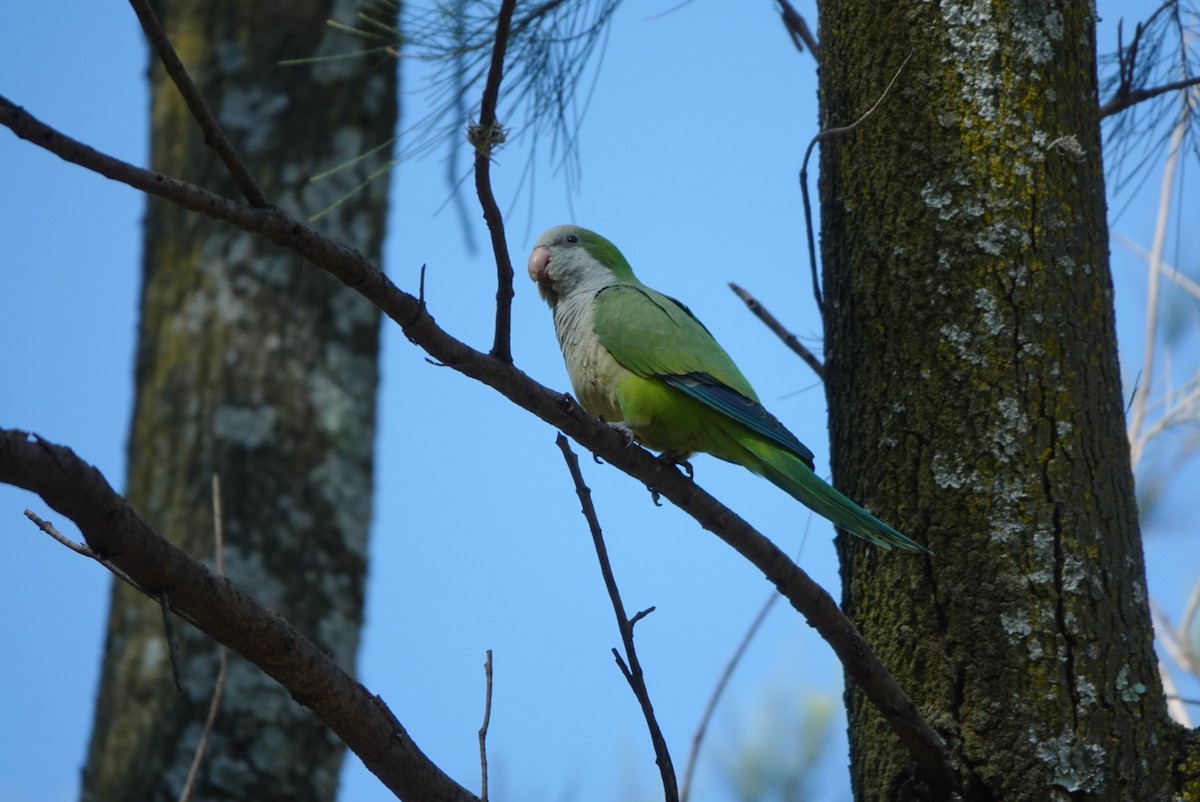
<point x="772" y="323"/>
<point x="225" y="612"/>
<point x="633" y="669"/>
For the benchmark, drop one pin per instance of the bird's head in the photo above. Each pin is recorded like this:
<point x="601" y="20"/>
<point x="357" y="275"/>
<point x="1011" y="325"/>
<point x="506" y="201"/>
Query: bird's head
<point x="568" y="259"/>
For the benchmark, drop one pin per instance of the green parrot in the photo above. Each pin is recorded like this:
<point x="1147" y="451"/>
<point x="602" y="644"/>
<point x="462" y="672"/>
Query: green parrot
<point x="642" y="362"/>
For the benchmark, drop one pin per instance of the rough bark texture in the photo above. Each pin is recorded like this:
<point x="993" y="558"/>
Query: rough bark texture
<point x="976" y="404"/>
<point x="254" y="366"/>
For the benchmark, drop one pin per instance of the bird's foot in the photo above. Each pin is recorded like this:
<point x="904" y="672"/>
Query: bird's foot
<point x="676" y="459"/>
<point x="630" y="438"/>
<point x="679" y="459"/>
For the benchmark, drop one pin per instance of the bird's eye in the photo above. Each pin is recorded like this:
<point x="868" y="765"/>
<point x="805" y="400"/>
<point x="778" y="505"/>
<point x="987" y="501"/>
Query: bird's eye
<point x="571" y="238"/>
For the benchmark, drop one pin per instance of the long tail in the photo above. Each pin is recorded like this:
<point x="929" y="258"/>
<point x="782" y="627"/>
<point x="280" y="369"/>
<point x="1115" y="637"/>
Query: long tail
<point x="794" y="477"/>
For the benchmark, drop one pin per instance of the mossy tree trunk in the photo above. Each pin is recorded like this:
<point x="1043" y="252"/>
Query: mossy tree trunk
<point x="253" y="366"/>
<point x="975" y="402"/>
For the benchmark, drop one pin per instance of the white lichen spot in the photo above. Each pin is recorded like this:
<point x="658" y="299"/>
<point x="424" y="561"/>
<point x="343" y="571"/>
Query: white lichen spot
<point x="152" y="660"/>
<point x="974" y="43"/>
<point x="949" y="471"/>
<point x="1138" y="589"/>
<point x="249" y="110"/>
<point x="248" y="427"/>
<point x="935" y="198"/>
<point x="1073" y="573"/>
<point x="1012" y="426"/>
<point x="1129" y="691"/>
<point x="349" y="310"/>
<point x="1075" y="766"/>
<point x="246" y="568"/>
<point x="339" y="482"/>
<point x="1087" y="691"/>
<point x="985" y="302"/>
<point x="960" y="342"/>
<point x="1036" y="36"/>
<point x="1016" y="624"/>
<point x="1036" y="652"/>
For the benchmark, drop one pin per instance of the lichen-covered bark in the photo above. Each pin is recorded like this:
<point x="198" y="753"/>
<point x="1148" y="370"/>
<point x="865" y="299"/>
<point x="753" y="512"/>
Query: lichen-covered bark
<point x="976" y="404"/>
<point x="255" y="367"/>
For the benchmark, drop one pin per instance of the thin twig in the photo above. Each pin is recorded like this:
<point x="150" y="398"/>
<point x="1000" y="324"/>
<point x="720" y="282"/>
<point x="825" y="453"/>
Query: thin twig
<point x="719" y="691"/>
<point x="214" y="135"/>
<point x="861" y="663"/>
<point x="1175" y="706"/>
<point x="487" y="134"/>
<point x="222" y="653"/>
<point x="772" y="323"/>
<point x="49" y="529"/>
<point x="1154" y="264"/>
<point x="830" y="133"/>
<point x="86" y="551"/>
<point x="483" y="730"/>
<point x="798" y="29"/>
<point x="1119" y="102"/>
<point x="164" y="604"/>
<point x="632" y="671"/>
<point x="1185" y="700"/>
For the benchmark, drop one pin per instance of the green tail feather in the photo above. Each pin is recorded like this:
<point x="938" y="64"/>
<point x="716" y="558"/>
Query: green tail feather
<point x="792" y="476"/>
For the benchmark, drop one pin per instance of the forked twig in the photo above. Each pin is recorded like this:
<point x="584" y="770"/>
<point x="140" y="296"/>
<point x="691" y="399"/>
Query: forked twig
<point x="632" y="670"/>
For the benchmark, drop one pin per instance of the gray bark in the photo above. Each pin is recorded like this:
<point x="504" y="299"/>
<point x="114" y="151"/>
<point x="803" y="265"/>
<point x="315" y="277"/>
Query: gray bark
<point x="976" y="404"/>
<point x="256" y="367"/>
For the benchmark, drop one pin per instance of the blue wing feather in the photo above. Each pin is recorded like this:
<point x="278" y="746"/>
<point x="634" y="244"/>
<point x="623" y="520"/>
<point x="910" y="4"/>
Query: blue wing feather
<point x="745" y="411"/>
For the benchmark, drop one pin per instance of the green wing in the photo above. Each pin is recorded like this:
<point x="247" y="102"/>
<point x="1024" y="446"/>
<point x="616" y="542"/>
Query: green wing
<point x="654" y="335"/>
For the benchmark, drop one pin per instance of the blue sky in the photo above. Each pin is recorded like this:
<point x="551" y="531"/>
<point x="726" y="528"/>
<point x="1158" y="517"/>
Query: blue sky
<point x="690" y="151"/>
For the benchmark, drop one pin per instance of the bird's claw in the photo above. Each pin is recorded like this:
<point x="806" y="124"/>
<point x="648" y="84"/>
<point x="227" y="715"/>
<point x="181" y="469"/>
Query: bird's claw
<point x="676" y="458"/>
<point x="624" y="430"/>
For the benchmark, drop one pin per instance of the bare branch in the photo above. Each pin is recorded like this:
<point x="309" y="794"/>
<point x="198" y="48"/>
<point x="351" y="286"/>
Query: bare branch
<point x="772" y="323"/>
<point x="632" y="671"/>
<point x="227" y="613"/>
<point x="1123" y="100"/>
<point x="214" y="136"/>
<point x="830" y="133"/>
<point x="798" y="29"/>
<point x="50" y="530"/>
<point x="84" y="550"/>
<point x="483" y="730"/>
<point x="484" y="136"/>
<point x="350" y="267"/>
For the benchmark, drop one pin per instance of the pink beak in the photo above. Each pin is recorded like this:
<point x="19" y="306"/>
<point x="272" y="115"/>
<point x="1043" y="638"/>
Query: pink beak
<point x="539" y="261"/>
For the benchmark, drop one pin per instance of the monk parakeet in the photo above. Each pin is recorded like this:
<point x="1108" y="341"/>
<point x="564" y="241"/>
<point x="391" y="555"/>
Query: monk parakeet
<point x="640" y="360"/>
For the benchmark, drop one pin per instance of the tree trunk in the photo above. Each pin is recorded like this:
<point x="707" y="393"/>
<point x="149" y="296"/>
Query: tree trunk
<point x="255" y="367"/>
<point x="976" y="404"/>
